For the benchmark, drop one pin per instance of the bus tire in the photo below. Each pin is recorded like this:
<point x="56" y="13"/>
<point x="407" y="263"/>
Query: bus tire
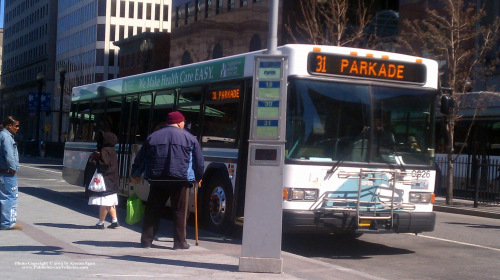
<point x="217" y="204"/>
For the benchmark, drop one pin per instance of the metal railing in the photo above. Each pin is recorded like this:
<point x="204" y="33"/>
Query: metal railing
<point x="476" y="179"/>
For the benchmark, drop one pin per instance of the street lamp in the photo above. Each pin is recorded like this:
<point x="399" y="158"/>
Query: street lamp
<point x="40" y="80"/>
<point x="146" y="48"/>
<point x="62" y="77"/>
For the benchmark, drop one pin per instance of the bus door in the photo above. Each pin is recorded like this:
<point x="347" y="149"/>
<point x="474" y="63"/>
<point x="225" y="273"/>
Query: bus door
<point x="125" y="140"/>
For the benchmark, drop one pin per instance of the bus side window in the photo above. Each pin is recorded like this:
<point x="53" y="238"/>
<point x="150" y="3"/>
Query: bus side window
<point x="73" y="123"/>
<point x="141" y="131"/>
<point x="113" y="113"/>
<point x="84" y="116"/>
<point x="189" y="106"/>
<point x="164" y="104"/>
<point x="220" y="121"/>
<point x="97" y="122"/>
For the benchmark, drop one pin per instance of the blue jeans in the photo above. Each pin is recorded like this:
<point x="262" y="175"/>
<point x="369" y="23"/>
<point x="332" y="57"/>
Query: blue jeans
<point x="8" y="201"/>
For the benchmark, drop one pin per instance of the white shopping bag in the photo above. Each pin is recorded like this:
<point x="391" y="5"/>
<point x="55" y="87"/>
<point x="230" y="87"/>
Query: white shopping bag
<point x="97" y="183"/>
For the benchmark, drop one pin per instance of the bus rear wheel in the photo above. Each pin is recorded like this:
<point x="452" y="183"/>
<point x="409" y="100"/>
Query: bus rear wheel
<point x="217" y="206"/>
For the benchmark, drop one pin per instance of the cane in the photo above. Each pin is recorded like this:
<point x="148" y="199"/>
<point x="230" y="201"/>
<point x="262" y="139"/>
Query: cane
<point x="196" y="211"/>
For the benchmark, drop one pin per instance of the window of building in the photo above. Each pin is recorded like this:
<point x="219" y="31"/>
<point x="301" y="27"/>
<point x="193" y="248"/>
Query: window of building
<point x="101" y="32"/>
<point x="113" y="8"/>
<point x="139" y="29"/>
<point x="121" y="35"/>
<point x="230" y="5"/>
<point x="139" y="10"/>
<point x="197" y="9"/>
<point x="255" y="43"/>
<point x="101" y="8"/>
<point x="148" y="10"/>
<point x="208" y="8"/>
<point x="187" y="13"/>
<point x="157" y="11"/>
<point x="218" y="8"/>
<point x="112" y="30"/>
<point x="122" y="8"/>
<point x="217" y="53"/>
<point x="165" y="12"/>
<point x="111" y="58"/>
<point x="178" y="14"/>
<point x="131" y="9"/>
<point x="243" y="3"/>
<point x="130" y="31"/>
<point x="186" y="58"/>
<point x="256" y="1"/>
<point x="99" y="57"/>
<point x="110" y="76"/>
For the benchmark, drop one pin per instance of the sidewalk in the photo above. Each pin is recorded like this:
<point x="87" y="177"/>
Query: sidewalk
<point x="466" y="207"/>
<point x="56" y="243"/>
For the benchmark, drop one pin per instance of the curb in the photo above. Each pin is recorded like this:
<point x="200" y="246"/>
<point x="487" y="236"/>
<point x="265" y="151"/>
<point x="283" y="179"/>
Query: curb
<point x="470" y="212"/>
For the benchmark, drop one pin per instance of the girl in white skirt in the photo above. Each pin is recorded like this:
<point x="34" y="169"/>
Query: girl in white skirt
<point x="106" y="163"/>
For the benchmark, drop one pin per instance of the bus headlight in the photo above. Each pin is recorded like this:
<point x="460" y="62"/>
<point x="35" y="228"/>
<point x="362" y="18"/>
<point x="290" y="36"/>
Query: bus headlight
<point x="420" y="197"/>
<point x="302" y="194"/>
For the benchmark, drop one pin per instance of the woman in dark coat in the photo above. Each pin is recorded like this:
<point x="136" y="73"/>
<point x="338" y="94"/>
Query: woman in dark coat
<point x="106" y="162"/>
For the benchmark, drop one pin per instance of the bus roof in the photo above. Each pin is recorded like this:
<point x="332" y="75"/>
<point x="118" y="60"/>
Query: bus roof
<point x="234" y="67"/>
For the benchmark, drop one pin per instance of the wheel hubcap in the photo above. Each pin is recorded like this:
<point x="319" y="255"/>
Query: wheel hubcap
<point x="218" y="205"/>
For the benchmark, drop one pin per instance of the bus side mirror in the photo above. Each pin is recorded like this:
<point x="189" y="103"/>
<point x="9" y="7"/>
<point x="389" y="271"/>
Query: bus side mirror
<point x="447" y="105"/>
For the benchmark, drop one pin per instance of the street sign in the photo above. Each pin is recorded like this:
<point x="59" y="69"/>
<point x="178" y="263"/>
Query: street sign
<point x="33" y="101"/>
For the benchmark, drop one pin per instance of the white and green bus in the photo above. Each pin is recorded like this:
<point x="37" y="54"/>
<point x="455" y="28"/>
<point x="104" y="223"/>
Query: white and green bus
<point x="359" y="152"/>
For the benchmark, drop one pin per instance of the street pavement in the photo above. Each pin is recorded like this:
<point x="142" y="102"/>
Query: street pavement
<point x="56" y="243"/>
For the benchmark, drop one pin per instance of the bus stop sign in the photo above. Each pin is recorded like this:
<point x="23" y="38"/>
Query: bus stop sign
<point x="261" y="250"/>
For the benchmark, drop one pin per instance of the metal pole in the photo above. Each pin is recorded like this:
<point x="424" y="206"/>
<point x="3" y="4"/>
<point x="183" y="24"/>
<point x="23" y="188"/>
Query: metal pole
<point x="39" y="106"/>
<point x="61" y="80"/>
<point x="272" y="38"/>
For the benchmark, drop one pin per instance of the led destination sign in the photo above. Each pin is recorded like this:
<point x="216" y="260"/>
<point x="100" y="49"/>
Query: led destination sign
<point x="366" y="67"/>
<point x="223" y="94"/>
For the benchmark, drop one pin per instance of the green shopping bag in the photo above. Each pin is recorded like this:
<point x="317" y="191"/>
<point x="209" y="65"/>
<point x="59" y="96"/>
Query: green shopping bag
<point x="135" y="209"/>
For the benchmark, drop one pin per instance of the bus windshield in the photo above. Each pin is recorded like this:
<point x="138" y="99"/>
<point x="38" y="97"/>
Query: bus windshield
<point x="360" y="123"/>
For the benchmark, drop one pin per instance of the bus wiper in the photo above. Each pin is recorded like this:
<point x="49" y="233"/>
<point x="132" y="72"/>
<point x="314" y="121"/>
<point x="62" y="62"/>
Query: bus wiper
<point x="336" y="166"/>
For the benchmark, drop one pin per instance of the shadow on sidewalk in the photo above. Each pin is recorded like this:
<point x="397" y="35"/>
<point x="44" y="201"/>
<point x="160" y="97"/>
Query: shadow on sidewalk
<point x="52" y="250"/>
<point x="71" y="226"/>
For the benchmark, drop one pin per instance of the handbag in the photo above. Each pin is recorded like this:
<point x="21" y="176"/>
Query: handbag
<point x="97" y="183"/>
<point x="135" y="209"/>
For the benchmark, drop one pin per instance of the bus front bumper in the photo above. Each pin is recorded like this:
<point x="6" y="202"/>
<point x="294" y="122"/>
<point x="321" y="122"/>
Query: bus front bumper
<point x="403" y="222"/>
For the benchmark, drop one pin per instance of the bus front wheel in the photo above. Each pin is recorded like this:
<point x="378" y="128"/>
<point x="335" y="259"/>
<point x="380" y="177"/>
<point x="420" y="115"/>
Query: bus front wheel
<point x="217" y="206"/>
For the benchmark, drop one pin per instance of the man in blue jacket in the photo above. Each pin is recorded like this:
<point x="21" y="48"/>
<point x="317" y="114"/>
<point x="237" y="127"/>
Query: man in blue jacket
<point x="9" y="165"/>
<point x="172" y="160"/>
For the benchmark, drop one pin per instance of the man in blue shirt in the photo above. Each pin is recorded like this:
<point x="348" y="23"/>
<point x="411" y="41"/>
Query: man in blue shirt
<point x="9" y="165"/>
<point x="171" y="160"/>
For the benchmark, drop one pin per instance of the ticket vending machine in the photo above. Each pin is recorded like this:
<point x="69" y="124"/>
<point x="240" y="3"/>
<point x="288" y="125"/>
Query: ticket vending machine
<point x="261" y="250"/>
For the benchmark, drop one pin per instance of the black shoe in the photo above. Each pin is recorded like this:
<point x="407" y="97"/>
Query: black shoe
<point x="97" y="226"/>
<point x="114" y="225"/>
<point x="185" y="247"/>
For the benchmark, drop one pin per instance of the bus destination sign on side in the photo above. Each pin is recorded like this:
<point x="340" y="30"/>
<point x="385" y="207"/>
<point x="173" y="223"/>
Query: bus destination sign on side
<point x="224" y="94"/>
<point x="366" y="67"/>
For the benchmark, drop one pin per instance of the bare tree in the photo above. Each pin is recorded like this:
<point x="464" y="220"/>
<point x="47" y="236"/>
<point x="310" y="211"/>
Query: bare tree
<point x="330" y="22"/>
<point x="457" y="36"/>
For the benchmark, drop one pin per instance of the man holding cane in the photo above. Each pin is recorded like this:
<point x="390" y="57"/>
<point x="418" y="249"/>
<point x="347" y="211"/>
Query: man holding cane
<point x="172" y="160"/>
